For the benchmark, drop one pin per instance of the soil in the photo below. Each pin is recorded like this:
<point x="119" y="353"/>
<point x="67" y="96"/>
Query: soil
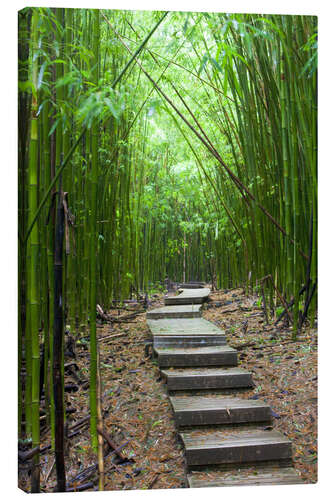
<point x="137" y="413"/>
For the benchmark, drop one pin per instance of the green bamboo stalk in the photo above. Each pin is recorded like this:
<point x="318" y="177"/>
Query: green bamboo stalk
<point x="45" y="179"/>
<point x="93" y="244"/>
<point x="24" y="18"/>
<point x="33" y="250"/>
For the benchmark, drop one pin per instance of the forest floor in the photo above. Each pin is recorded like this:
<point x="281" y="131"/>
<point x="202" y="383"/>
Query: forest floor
<point x="137" y="412"/>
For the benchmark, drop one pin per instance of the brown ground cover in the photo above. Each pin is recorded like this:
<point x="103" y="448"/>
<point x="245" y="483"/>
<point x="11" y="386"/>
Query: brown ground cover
<point x="137" y="412"/>
<point x="284" y="371"/>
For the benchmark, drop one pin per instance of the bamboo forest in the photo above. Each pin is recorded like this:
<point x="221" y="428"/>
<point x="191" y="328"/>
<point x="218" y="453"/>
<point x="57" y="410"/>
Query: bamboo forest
<point x="167" y="197"/>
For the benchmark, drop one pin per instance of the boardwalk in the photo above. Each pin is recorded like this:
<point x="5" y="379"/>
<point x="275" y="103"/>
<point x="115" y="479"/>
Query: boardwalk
<point x="228" y="439"/>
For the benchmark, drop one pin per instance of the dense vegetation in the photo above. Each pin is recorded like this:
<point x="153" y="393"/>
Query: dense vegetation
<point x="150" y="145"/>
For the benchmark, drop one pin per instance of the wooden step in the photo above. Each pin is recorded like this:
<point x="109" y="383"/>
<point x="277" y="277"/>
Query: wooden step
<point x="184" y="311"/>
<point x="182" y="326"/>
<point x="218" y="410"/>
<point x="192" y="284"/>
<point x="188" y="296"/>
<point x="196" y="356"/>
<point x="249" y="476"/>
<point x="235" y="446"/>
<point x="207" y="378"/>
<point x="188" y="341"/>
<point x="185" y="332"/>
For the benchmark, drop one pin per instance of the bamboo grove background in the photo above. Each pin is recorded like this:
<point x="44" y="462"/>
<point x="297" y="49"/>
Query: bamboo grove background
<point x="153" y="145"/>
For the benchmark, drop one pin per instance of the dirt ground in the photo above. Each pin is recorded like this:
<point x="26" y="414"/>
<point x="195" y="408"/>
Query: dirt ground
<point x="137" y="413"/>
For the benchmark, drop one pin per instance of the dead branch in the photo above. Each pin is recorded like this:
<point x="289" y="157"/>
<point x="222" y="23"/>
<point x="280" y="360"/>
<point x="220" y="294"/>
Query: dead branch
<point x="264" y="303"/>
<point x="80" y="423"/>
<point x="228" y="311"/>
<point x="113" y="336"/>
<point x="124" y="319"/>
<point x="269" y="276"/>
<point x="112" y="445"/>
<point x="101" y="313"/>
<point x="153" y="481"/>
<point x="89" y="471"/>
<point x="26" y="455"/>
<point x="112" y="319"/>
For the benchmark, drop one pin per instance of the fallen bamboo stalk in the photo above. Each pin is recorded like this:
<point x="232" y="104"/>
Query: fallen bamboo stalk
<point x="287" y="306"/>
<point x="114" y="452"/>
<point x="112" y="336"/>
<point x="86" y="473"/>
<point x="50" y="471"/>
<point x="111" y="319"/>
<point x="123" y="319"/>
<point x="229" y="311"/>
<point x="153" y="481"/>
<point x="112" y="445"/>
<point x="74" y="433"/>
<point x="81" y="422"/>
<point x="27" y="455"/>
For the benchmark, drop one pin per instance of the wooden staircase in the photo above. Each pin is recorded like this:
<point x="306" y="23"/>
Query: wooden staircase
<point x="228" y="440"/>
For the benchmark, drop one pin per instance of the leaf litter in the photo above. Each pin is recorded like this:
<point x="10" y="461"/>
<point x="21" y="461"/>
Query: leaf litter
<point x="284" y="371"/>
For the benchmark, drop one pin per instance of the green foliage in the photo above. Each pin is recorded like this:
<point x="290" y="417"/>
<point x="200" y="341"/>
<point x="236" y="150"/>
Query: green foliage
<point x="101" y="104"/>
<point x="279" y="310"/>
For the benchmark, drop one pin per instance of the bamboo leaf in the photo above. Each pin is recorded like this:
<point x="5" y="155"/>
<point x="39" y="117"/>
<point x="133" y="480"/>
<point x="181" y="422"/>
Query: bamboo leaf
<point x="203" y="63"/>
<point x="54" y="126"/>
<point x="185" y="27"/>
<point x="215" y="64"/>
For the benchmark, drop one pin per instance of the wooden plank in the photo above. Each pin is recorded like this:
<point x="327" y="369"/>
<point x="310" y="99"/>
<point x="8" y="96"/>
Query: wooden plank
<point x="183" y="326"/>
<point x="245" y="477"/>
<point x="196" y="356"/>
<point x="182" y="300"/>
<point x="235" y="447"/>
<point x="193" y="292"/>
<point x="184" y="311"/>
<point x="188" y="341"/>
<point x="185" y="332"/>
<point x="208" y="378"/>
<point x="188" y="296"/>
<point x="192" y="284"/>
<point x="218" y="410"/>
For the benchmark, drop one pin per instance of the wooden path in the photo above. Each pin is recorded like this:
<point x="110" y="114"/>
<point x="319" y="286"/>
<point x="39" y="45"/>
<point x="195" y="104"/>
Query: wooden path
<point x="228" y="439"/>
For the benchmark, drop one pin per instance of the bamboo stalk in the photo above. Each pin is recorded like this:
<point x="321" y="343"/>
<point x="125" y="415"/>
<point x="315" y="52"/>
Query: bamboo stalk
<point x="58" y="342"/>
<point x="33" y="251"/>
<point x="93" y="247"/>
<point x="100" y="430"/>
